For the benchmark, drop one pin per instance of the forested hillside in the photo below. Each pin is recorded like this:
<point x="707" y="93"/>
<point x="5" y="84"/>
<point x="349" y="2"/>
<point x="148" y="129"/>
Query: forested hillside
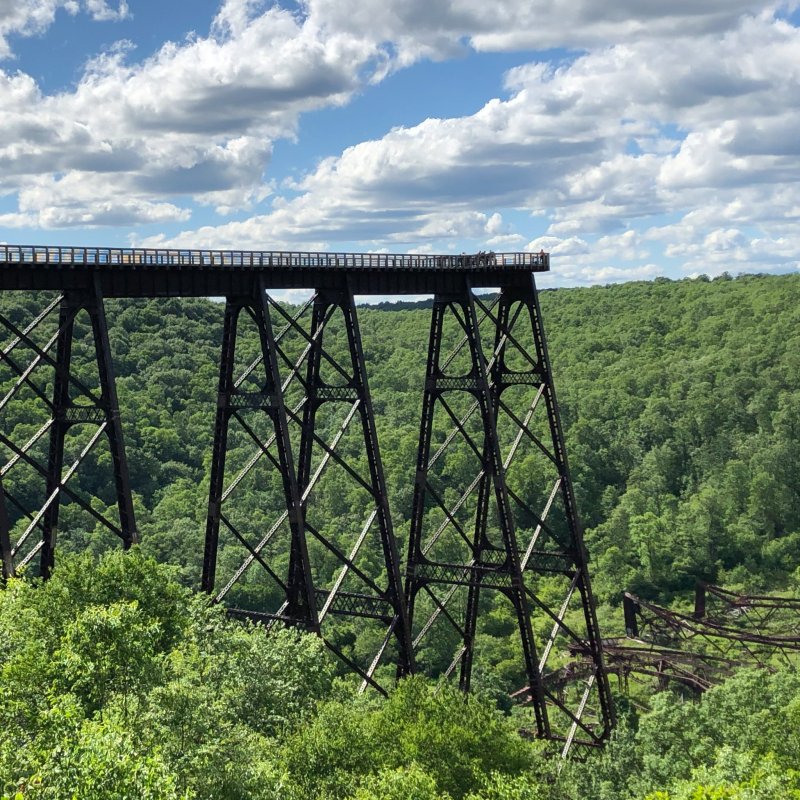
<point x="680" y="400"/>
<point x="682" y="403"/>
<point x="681" y="408"/>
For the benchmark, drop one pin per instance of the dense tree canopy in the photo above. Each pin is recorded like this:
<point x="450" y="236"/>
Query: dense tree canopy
<point x="681" y="407"/>
<point x="115" y="681"/>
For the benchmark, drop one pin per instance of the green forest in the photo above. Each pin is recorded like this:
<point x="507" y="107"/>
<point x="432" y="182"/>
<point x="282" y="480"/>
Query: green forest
<point x="681" y="409"/>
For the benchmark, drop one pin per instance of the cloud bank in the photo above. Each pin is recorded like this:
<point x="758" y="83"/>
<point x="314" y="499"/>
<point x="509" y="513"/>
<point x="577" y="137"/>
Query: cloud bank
<point x="657" y="134"/>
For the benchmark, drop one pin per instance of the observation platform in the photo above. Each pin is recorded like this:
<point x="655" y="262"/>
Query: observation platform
<point x="148" y="272"/>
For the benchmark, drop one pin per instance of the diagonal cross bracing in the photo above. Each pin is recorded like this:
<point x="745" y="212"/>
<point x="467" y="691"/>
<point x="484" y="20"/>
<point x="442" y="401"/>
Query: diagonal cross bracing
<point x="70" y="403"/>
<point x="499" y="387"/>
<point x="316" y="583"/>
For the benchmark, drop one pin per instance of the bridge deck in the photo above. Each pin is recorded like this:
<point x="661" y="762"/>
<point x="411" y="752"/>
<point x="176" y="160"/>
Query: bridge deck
<point x="153" y="272"/>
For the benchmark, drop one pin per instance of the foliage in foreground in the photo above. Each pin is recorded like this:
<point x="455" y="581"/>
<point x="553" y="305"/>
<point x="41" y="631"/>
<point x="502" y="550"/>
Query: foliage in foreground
<point x="117" y="682"/>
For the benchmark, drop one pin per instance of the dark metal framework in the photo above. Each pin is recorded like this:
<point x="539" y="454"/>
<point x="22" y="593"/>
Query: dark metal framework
<point x="337" y="583"/>
<point x="661" y="667"/>
<point x="494" y="535"/>
<point x="759" y="630"/>
<point x="489" y="547"/>
<point x="726" y="631"/>
<point x="664" y="648"/>
<point x="763" y="615"/>
<point x="74" y="402"/>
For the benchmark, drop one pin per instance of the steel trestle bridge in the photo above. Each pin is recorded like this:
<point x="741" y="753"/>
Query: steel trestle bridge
<point x="149" y="272"/>
<point x="494" y="537"/>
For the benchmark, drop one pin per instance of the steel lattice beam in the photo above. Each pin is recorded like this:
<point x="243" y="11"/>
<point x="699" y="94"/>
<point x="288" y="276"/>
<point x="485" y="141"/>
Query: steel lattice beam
<point x="307" y="597"/>
<point x="475" y="547"/>
<point x="71" y="404"/>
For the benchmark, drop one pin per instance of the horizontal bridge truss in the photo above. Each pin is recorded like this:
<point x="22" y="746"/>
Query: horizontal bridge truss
<point x="165" y="272"/>
<point x="494" y="537"/>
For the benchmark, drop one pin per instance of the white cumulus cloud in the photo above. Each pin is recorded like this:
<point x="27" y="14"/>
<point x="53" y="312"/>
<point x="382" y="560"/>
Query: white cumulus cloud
<point x="29" y="17"/>
<point x="658" y="131"/>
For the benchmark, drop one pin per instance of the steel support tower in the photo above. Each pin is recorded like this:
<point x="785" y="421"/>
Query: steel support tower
<point x="495" y="544"/>
<point x="484" y="541"/>
<point x="76" y="405"/>
<point x="324" y="401"/>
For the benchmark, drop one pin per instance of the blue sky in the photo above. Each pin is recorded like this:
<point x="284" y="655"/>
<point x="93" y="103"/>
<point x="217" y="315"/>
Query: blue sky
<point x="631" y="140"/>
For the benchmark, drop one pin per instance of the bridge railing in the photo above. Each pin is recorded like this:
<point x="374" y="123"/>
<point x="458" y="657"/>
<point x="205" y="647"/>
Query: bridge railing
<point x="169" y="257"/>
